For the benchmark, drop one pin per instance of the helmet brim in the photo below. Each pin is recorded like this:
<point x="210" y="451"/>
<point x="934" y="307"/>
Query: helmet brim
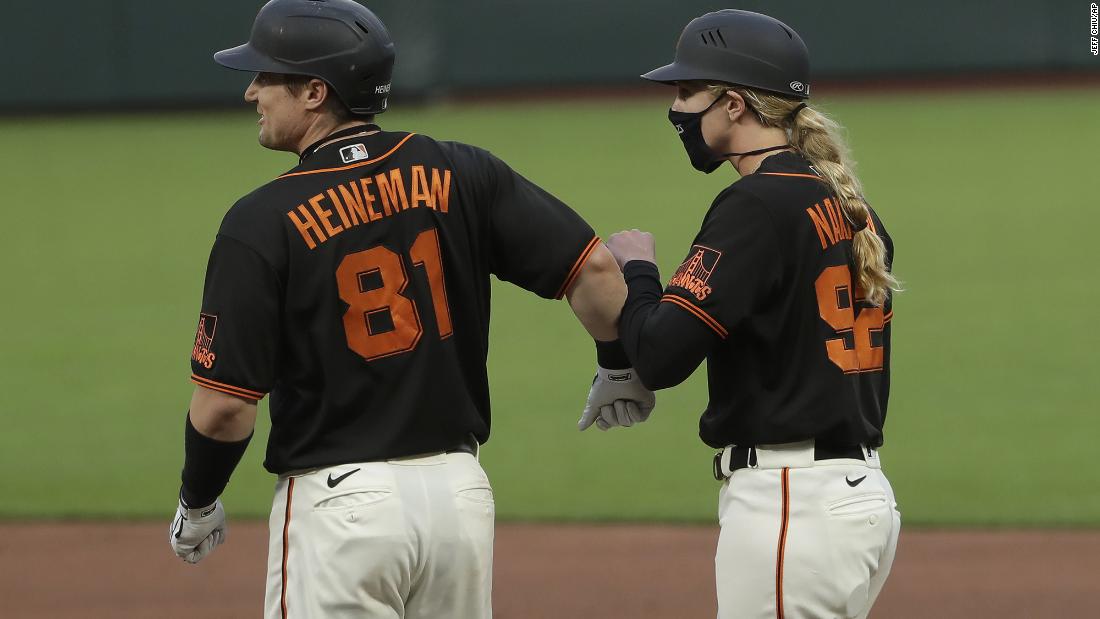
<point x="672" y="73"/>
<point x="247" y="58"/>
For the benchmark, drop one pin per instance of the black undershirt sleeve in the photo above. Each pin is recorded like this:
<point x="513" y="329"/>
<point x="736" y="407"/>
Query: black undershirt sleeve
<point x="664" y="342"/>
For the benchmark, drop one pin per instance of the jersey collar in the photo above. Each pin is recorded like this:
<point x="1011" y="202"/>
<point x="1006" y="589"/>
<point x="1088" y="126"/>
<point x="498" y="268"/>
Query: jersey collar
<point x="790" y="162"/>
<point x="312" y="149"/>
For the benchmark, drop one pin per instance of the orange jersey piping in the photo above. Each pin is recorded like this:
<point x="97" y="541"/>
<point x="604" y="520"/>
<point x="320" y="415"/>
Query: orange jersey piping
<point x="816" y="178"/>
<point x="224" y="388"/>
<point x="354" y="165"/>
<point x="577" y="266"/>
<point x="707" y="319"/>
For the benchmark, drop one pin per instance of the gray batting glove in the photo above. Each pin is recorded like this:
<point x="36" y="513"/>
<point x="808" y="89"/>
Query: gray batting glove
<point x="617" y="398"/>
<point x="196" y="532"/>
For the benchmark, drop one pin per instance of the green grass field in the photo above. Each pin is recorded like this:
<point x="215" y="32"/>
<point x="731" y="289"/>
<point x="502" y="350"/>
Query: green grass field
<point x="108" y="221"/>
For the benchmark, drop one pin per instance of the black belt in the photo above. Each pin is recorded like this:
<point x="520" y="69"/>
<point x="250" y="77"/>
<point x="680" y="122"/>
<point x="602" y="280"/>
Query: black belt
<point x="468" y="446"/>
<point x="744" y="457"/>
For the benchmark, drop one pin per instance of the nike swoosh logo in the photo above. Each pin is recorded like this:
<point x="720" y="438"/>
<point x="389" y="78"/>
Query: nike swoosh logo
<point x="333" y="481"/>
<point x="208" y="512"/>
<point x="854" y="482"/>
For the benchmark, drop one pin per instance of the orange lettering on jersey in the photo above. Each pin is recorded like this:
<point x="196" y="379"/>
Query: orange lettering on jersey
<point x="339" y="207"/>
<point x="354" y="203"/>
<point x="830" y="223"/>
<point x="420" y="191"/>
<point x="834" y="220"/>
<point x="323" y="214"/>
<point x="844" y="225"/>
<point x="204" y="340"/>
<point x="386" y="212"/>
<point x="695" y="272"/>
<point x="824" y="230"/>
<point x="369" y="199"/>
<point x="441" y="191"/>
<point x="391" y="189"/>
<point x="871" y="222"/>
<point x="305" y="224"/>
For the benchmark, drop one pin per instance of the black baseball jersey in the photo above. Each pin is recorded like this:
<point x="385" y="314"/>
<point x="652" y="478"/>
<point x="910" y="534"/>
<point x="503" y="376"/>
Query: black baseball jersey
<point x="355" y="290"/>
<point x="766" y="294"/>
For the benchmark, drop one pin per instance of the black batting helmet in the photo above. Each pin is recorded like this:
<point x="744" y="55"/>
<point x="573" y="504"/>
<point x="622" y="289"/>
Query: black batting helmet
<point x="743" y="48"/>
<point x="339" y="41"/>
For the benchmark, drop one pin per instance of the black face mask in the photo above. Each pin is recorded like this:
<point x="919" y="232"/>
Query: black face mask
<point x="690" y="127"/>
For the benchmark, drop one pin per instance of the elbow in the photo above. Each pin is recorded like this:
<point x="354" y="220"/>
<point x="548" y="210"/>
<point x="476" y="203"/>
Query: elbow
<point x="660" y="367"/>
<point x="601" y="262"/>
<point x="600" y="274"/>
<point x="225" y="420"/>
<point x="656" y="375"/>
<point x="598" y="294"/>
<point x="222" y="416"/>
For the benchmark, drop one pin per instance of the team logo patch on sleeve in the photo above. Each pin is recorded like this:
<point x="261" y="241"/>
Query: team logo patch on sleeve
<point x="204" y="340"/>
<point x="695" y="272"/>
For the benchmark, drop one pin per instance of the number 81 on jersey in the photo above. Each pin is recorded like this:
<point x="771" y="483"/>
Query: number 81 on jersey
<point x="372" y="283"/>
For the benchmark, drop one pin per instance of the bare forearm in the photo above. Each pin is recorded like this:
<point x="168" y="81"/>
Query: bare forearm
<point x="221" y="416"/>
<point x="598" y="294"/>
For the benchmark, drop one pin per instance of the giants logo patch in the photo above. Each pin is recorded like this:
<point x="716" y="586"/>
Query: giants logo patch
<point x="204" y="340"/>
<point x="694" y="273"/>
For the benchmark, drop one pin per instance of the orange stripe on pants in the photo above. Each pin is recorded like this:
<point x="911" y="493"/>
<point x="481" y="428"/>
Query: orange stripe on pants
<point x="786" y="515"/>
<point x="286" y="540"/>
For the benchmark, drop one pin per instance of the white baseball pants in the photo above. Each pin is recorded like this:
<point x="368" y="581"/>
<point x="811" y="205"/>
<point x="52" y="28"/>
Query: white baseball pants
<point x="802" y="539"/>
<point x="408" y="538"/>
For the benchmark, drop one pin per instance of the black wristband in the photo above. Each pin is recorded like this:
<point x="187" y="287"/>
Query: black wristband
<point x="641" y="268"/>
<point x="612" y="355"/>
<point x="207" y="465"/>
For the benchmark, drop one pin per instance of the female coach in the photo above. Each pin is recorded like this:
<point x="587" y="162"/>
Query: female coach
<point x="786" y="292"/>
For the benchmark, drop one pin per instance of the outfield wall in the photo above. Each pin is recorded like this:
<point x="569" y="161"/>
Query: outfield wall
<point x="78" y="54"/>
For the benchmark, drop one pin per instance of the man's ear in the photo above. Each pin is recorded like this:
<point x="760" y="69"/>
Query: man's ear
<point x="314" y="94"/>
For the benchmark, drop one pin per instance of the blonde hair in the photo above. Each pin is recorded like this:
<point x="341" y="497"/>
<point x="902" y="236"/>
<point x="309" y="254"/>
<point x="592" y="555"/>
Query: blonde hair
<point x="818" y="138"/>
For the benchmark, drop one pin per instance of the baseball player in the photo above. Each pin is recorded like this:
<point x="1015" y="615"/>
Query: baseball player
<point x="786" y="292"/>
<point x="354" y="289"/>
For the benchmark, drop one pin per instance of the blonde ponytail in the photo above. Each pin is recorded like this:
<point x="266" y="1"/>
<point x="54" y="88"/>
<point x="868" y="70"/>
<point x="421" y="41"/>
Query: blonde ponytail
<point x="818" y="138"/>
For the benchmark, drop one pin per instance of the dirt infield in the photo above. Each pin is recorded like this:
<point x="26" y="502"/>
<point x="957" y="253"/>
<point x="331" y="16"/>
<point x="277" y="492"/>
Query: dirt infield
<point x="127" y="571"/>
